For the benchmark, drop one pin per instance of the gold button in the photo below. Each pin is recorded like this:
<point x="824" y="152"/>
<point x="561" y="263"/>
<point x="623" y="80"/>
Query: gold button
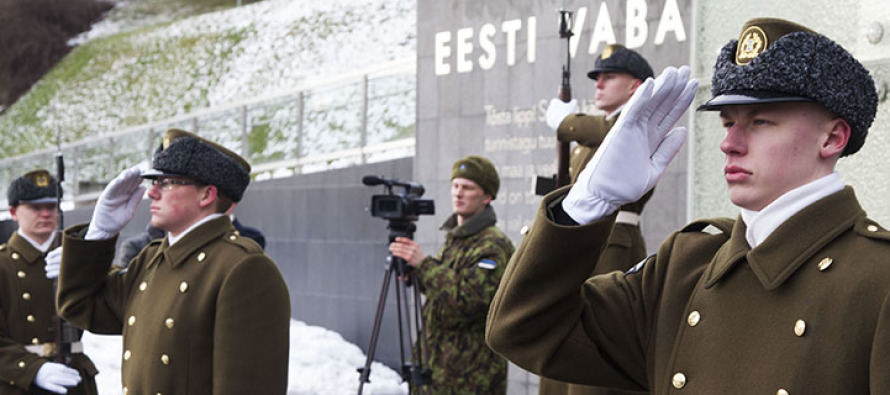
<point x="824" y="264"/>
<point x="165" y="359"/>
<point x="131" y="320"/>
<point x="679" y="380"/>
<point x="571" y="128"/>
<point x="800" y="327"/>
<point x="12" y="383"/>
<point x="577" y="149"/>
<point x="781" y="391"/>
<point x="524" y="230"/>
<point x="21" y="274"/>
<point x="201" y="257"/>
<point x="143" y="286"/>
<point x="2" y="247"/>
<point x="21" y="364"/>
<point x="169" y="323"/>
<point x="871" y="228"/>
<point x="126" y="390"/>
<point x="15" y="255"/>
<point x="127" y="355"/>
<point x="26" y="296"/>
<point x="35" y="341"/>
<point x="183" y="287"/>
<point x="694" y="318"/>
<point x="233" y="237"/>
<point x="30" y="318"/>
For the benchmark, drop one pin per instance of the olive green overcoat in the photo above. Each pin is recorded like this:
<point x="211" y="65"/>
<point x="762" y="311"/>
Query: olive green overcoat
<point x="208" y="315"/>
<point x="626" y="245"/>
<point x="805" y="312"/>
<point x="28" y="316"/>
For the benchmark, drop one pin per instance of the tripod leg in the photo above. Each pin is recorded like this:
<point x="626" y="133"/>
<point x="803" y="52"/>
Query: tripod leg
<point x="365" y="372"/>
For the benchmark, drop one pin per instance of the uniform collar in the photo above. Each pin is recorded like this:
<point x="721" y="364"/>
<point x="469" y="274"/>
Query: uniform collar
<point x="792" y="243"/>
<point x="18" y="243"/>
<point x="472" y="225"/>
<point x="174" y="239"/>
<point x="195" y="239"/>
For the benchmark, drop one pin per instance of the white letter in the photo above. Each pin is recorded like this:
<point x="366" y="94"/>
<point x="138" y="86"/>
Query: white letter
<point x="670" y="20"/>
<point x="577" y="26"/>
<point x="532" y="46"/>
<point x="637" y="29"/>
<point x="602" y="30"/>
<point x="443" y="51"/>
<point x="486" y="60"/>
<point x="464" y="48"/>
<point x="510" y="28"/>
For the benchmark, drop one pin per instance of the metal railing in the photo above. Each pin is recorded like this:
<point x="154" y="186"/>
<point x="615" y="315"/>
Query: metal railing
<point x="360" y="117"/>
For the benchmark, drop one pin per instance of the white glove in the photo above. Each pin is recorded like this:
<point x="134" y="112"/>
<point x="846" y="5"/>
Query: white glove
<point x="116" y="205"/>
<point x="53" y="263"/>
<point x="55" y="377"/>
<point x="636" y="150"/>
<point x="559" y="110"/>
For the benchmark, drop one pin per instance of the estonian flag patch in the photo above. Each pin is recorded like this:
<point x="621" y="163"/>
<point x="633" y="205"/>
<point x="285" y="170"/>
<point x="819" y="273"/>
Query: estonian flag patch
<point x="487" y="264"/>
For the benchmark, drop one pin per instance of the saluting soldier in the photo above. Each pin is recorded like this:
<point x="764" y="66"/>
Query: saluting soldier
<point x="27" y="302"/>
<point x="202" y="310"/>
<point x="793" y="297"/>
<point x="618" y="72"/>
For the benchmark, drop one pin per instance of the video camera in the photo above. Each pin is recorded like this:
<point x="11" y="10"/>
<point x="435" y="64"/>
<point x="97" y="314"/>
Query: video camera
<point x="405" y="206"/>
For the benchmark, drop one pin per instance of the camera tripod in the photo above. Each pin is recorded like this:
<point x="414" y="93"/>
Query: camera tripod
<point x="414" y="372"/>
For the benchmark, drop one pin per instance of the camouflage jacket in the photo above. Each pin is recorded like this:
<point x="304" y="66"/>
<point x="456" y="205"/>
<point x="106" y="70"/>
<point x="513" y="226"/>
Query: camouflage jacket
<point x="459" y="283"/>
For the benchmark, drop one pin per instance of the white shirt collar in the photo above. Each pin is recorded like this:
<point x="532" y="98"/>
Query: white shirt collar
<point x="616" y="112"/>
<point x="41" y="247"/>
<point x="762" y="224"/>
<point x="171" y="239"/>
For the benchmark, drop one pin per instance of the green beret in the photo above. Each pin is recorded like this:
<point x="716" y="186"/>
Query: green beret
<point x="35" y="187"/>
<point x="480" y="171"/>
<point x="775" y="60"/>
<point x="183" y="154"/>
<point x="616" y="57"/>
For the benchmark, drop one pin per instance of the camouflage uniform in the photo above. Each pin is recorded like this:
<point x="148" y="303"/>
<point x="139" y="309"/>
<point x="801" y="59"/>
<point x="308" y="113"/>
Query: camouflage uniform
<point x="459" y="284"/>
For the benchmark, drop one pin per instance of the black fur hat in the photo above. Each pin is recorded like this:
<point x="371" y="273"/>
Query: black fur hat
<point x="616" y="57"/>
<point x="184" y="154"/>
<point x="780" y="61"/>
<point x="35" y="187"/>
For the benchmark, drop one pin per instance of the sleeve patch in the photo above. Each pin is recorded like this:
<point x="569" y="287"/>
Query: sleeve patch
<point x="487" y="264"/>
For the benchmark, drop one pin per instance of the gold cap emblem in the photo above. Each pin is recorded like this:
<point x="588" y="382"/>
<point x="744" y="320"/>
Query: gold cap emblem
<point x="607" y="52"/>
<point x="41" y="180"/>
<point x="752" y="42"/>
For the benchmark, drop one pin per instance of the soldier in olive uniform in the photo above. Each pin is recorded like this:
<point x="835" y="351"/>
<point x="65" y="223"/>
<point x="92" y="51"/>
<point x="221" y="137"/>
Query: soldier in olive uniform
<point x="793" y="297"/>
<point x="459" y="283"/>
<point x="202" y="310"/>
<point x="27" y="302"/>
<point x="618" y="73"/>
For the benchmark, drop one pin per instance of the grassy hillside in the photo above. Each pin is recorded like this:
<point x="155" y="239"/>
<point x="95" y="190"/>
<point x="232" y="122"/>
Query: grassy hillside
<point x="125" y="73"/>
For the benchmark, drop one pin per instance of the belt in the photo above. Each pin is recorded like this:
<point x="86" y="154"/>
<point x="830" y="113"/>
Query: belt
<point x="47" y="350"/>
<point x="628" y="217"/>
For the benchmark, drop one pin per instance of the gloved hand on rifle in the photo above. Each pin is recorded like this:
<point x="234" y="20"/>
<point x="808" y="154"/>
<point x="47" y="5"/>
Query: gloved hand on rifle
<point x="57" y="378"/>
<point x="53" y="263"/>
<point x="558" y="110"/>
<point x="116" y="205"/>
<point x="636" y="151"/>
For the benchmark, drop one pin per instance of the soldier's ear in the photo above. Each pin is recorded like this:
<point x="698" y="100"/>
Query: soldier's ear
<point x="837" y="138"/>
<point x="12" y="213"/>
<point x="209" y="196"/>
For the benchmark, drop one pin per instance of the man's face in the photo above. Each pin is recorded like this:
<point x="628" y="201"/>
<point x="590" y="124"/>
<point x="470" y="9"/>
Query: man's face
<point x="467" y="197"/>
<point x="613" y="89"/>
<point x="37" y="221"/>
<point x="175" y="203"/>
<point x="771" y="149"/>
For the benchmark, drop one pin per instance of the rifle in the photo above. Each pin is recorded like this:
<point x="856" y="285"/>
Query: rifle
<point x="544" y="185"/>
<point x="65" y="332"/>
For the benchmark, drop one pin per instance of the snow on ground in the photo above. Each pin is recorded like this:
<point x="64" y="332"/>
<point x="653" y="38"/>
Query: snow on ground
<point x="321" y="363"/>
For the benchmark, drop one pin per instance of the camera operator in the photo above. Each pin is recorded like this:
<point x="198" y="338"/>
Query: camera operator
<point x="459" y="283"/>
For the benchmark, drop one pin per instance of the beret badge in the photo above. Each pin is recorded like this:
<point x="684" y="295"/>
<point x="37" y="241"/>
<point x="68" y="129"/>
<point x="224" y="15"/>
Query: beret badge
<point x="752" y="43"/>
<point x="41" y="180"/>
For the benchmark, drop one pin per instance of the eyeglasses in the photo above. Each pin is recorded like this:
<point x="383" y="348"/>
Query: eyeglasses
<point x="167" y="184"/>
